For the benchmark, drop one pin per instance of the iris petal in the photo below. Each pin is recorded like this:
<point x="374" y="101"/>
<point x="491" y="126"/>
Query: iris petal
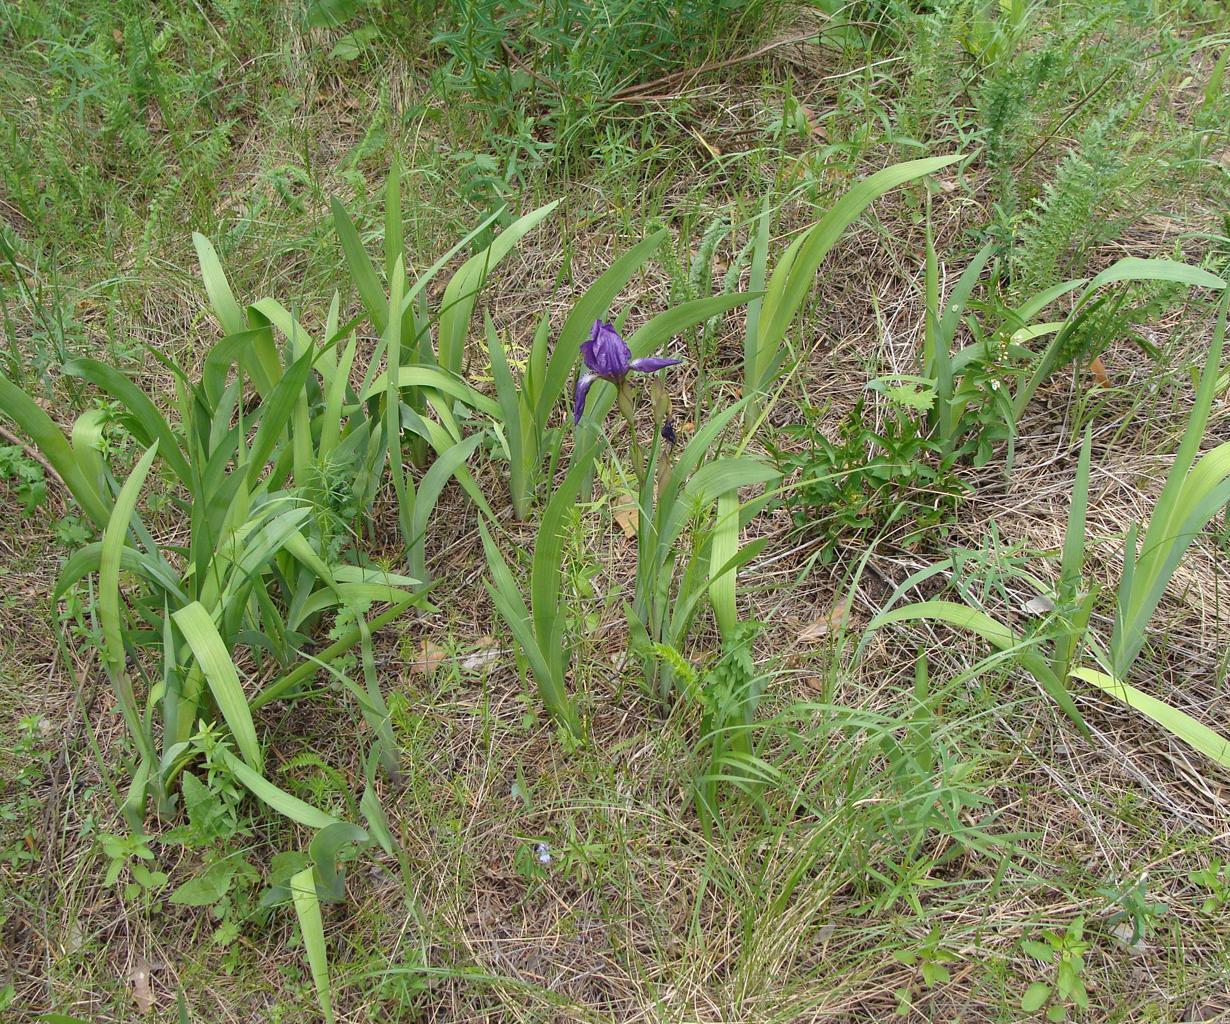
<point x="606" y="353"/>
<point x="652" y="364"/>
<point x="583" y="385"/>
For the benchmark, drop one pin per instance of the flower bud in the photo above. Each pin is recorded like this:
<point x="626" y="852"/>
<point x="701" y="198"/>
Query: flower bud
<point x="660" y="400"/>
<point x="627" y="403"/>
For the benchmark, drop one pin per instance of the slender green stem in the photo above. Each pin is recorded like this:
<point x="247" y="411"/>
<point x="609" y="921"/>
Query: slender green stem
<point x="295" y="676"/>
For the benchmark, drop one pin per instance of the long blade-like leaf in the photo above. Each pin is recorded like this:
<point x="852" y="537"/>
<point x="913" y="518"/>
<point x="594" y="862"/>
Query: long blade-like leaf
<point x="216" y="665"/>
<point x="146" y="423"/>
<point x="429" y="493"/>
<point x="281" y="801"/>
<point x="110" y="561"/>
<point x="794" y="278"/>
<point x="1195" y="734"/>
<point x="996" y="633"/>
<point x="441" y="380"/>
<point x="311" y="925"/>
<point x="457" y="304"/>
<point x="361" y="270"/>
<point x="230" y="316"/>
<point x="50" y="440"/>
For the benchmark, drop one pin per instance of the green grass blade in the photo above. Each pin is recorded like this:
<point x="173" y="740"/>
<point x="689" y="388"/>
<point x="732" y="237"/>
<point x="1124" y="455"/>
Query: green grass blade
<point x="522" y="458"/>
<point x="331" y="420"/>
<point x="994" y="632"/>
<point x="88" y="558"/>
<point x="942" y="332"/>
<point x="760" y="259"/>
<point x="446" y="464"/>
<point x="648" y="338"/>
<point x="343" y="594"/>
<point x="87" y="438"/>
<point x="287" y="682"/>
<point x="373" y="811"/>
<point x="392" y="409"/>
<point x="1130" y="268"/>
<point x="438" y="379"/>
<point x="722" y="548"/>
<point x="281" y="801"/>
<point x="394" y="243"/>
<point x="549" y="546"/>
<point x="275" y="414"/>
<point x="114" y="539"/>
<point x="1072" y="565"/>
<point x="144" y="420"/>
<point x="1133" y="268"/>
<point x="1176" y="518"/>
<point x="794" y="278"/>
<point x="227" y="310"/>
<point x="326" y="849"/>
<point x="371" y="294"/>
<point x="109" y="612"/>
<point x="274" y="314"/>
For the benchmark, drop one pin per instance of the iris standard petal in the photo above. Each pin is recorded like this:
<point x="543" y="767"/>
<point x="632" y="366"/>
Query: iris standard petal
<point x="652" y="364"/>
<point x="606" y="353"/>
<point x="582" y="390"/>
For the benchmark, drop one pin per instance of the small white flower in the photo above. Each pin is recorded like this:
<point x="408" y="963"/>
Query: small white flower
<point x="543" y="852"/>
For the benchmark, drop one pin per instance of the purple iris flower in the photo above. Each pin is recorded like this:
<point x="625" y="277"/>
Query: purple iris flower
<point x="607" y="357"/>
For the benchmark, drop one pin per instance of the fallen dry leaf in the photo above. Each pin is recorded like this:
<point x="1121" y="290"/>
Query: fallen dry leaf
<point x="825" y="626"/>
<point x="1038" y="606"/>
<point x="813" y="122"/>
<point x="1098" y="369"/>
<point x="626" y="515"/>
<point x="430" y="656"/>
<point x="142" y="993"/>
<point x="485" y="652"/>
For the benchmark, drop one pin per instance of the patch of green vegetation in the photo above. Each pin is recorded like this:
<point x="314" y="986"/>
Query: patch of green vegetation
<point x="385" y="675"/>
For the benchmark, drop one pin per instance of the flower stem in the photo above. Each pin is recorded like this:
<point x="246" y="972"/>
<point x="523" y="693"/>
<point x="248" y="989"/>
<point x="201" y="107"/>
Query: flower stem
<point x="627" y="408"/>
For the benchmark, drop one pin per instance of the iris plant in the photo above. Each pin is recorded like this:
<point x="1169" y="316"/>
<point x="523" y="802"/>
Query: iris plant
<point x="607" y="357"/>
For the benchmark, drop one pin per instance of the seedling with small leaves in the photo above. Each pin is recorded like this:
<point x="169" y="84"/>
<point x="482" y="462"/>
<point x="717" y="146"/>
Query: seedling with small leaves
<point x="932" y="960"/>
<point x="1065" y="952"/>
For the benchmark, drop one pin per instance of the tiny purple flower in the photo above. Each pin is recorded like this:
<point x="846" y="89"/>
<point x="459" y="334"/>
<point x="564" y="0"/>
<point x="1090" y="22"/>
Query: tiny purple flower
<point x="607" y="357"/>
